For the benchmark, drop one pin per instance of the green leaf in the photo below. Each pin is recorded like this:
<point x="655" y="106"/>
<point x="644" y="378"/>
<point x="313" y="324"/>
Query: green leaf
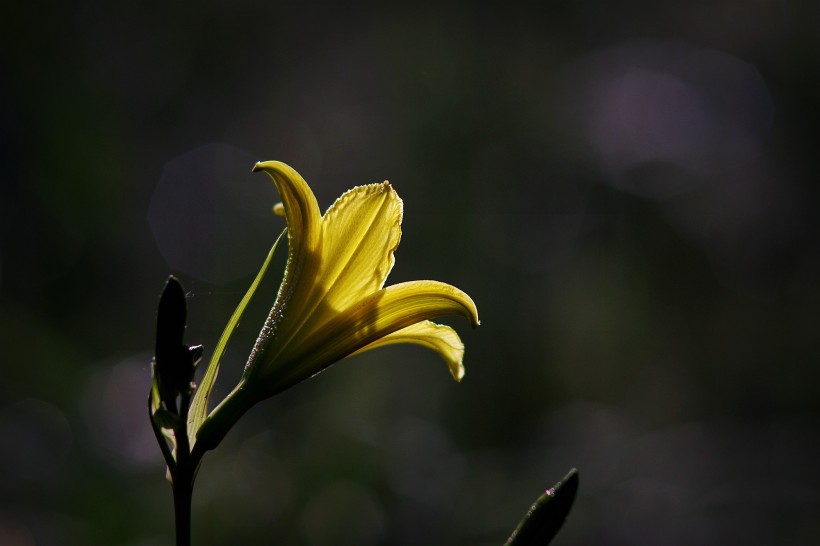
<point x="547" y="514"/>
<point x="199" y="404"/>
<point x="162" y="422"/>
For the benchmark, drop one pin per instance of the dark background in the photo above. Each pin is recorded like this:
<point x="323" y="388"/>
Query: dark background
<point x="628" y="191"/>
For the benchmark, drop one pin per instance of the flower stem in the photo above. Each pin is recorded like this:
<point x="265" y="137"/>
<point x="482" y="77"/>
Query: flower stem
<point x="183" y="477"/>
<point x="183" y="490"/>
<point x="222" y="419"/>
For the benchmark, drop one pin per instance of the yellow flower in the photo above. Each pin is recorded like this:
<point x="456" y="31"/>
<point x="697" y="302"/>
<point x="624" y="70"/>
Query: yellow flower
<point x="332" y="302"/>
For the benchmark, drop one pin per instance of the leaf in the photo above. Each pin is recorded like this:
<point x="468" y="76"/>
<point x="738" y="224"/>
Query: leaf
<point x="547" y="514"/>
<point x="162" y="423"/>
<point x="199" y="404"/>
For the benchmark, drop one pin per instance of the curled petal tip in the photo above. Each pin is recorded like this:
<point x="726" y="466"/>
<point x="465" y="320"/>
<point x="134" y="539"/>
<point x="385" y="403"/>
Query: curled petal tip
<point x="472" y="312"/>
<point x="269" y="166"/>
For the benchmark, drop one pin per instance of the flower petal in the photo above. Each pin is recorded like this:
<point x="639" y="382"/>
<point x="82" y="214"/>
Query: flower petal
<point x="360" y="231"/>
<point x="438" y="337"/>
<point x="301" y="210"/>
<point x="304" y="240"/>
<point x="374" y="317"/>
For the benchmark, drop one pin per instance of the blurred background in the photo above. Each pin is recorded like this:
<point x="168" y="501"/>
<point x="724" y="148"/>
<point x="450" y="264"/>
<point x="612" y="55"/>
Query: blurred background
<point x="628" y="191"/>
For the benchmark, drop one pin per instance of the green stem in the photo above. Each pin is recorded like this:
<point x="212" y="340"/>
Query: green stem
<point x="222" y="419"/>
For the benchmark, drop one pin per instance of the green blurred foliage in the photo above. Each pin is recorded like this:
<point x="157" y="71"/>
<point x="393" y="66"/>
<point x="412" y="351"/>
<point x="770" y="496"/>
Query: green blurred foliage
<point x="629" y="193"/>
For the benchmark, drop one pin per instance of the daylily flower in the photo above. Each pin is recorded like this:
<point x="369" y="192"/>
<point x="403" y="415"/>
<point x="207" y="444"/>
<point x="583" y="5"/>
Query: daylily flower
<point x="332" y="302"/>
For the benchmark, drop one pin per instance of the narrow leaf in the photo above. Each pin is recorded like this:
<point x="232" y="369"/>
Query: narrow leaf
<point x="199" y="404"/>
<point x="159" y="424"/>
<point x="547" y="514"/>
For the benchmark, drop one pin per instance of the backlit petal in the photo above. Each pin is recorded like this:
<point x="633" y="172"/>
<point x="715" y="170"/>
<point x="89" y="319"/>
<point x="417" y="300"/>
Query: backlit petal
<point x="301" y="209"/>
<point x="375" y="316"/>
<point x="360" y="231"/>
<point x="304" y="239"/>
<point x="438" y="337"/>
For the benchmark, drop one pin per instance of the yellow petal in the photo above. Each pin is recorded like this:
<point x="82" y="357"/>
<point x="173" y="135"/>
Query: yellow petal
<point x="375" y="316"/>
<point x="304" y="239"/>
<point x="438" y="337"/>
<point x="301" y="210"/>
<point x="360" y="231"/>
